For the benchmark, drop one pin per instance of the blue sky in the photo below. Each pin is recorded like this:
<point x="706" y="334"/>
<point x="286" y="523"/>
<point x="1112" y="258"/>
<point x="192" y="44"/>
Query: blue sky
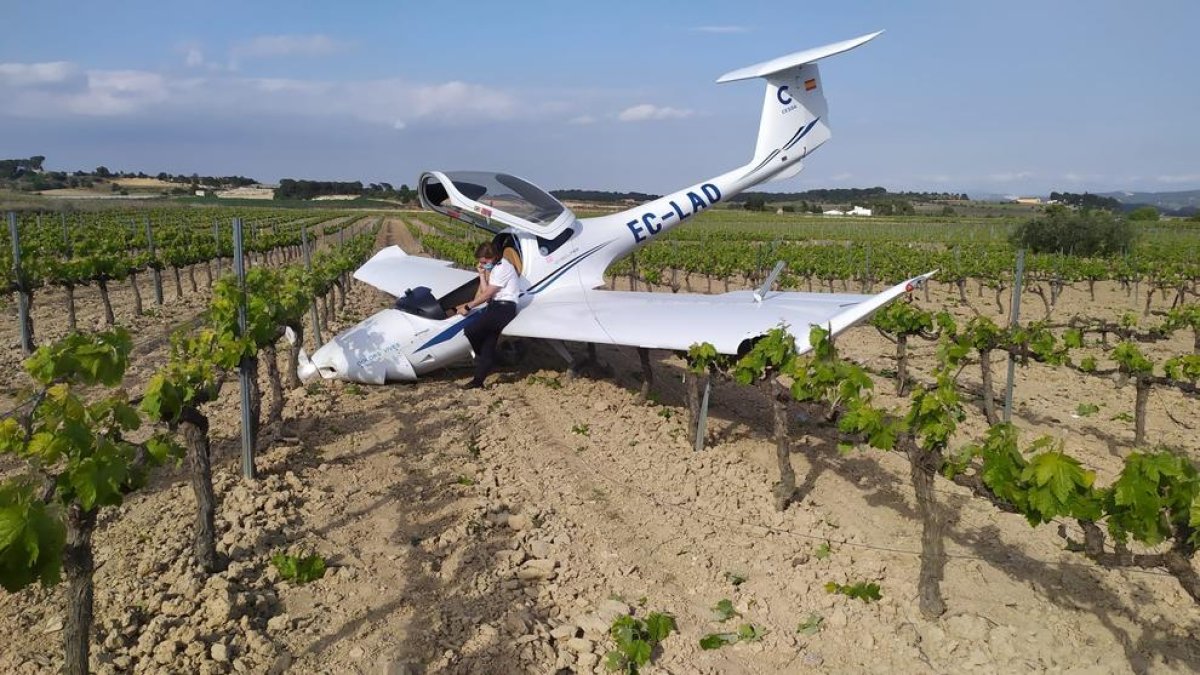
<point x="1014" y="97"/>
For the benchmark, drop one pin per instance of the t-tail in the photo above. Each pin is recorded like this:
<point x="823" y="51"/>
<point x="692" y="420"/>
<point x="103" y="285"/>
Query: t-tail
<point x="794" y="123"/>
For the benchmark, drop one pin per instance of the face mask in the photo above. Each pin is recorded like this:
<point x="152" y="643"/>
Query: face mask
<point x="488" y="266"/>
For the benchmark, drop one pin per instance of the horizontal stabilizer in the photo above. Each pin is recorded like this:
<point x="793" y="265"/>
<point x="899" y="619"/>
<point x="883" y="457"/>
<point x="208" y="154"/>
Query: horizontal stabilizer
<point x="795" y="59"/>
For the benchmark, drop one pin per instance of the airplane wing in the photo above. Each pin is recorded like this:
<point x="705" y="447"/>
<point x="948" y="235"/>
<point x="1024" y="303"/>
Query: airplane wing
<point x="679" y="320"/>
<point x="393" y="271"/>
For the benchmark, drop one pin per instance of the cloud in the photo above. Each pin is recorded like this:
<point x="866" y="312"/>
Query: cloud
<point x="720" y="29"/>
<point x="63" y="90"/>
<point x="36" y="74"/>
<point x="193" y="57"/>
<point x="271" y="46"/>
<point x="112" y="92"/>
<point x="1179" y="178"/>
<point x="647" y="111"/>
<point x="582" y="120"/>
<point x="399" y="125"/>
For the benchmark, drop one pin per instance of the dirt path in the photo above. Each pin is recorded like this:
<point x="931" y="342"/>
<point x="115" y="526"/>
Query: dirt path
<point x="397" y="233"/>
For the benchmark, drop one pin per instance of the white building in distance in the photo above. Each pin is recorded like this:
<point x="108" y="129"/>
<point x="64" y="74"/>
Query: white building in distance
<point x="854" y="211"/>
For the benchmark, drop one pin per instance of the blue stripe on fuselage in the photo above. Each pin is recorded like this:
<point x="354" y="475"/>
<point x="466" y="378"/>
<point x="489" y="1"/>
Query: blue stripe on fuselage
<point x="451" y="331"/>
<point x="553" y="276"/>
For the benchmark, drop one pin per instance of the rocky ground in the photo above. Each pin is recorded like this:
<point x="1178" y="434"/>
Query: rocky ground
<point x="502" y="531"/>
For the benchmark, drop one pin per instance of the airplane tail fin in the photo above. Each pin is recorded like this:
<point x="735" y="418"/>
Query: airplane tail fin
<point x="794" y="115"/>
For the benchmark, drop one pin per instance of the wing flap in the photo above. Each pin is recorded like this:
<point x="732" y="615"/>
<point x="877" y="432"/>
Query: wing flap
<point x="679" y="320"/>
<point x="393" y="271"/>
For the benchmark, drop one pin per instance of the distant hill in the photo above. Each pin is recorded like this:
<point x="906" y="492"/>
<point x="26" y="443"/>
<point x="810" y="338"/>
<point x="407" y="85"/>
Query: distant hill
<point x="1184" y="203"/>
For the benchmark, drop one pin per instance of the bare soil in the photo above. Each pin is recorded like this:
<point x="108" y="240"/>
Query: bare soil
<point x="501" y="531"/>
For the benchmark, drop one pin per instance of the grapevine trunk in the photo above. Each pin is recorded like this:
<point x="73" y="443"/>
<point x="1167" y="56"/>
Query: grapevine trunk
<point x="275" y="383"/>
<point x="78" y="565"/>
<point x="923" y="465"/>
<point x="341" y="295"/>
<point x="70" y="288"/>
<point x="137" y="294"/>
<point x="785" y="490"/>
<point x="255" y="397"/>
<point x="108" y="310"/>
<point x="989" y="398"/>
<point x="158" y="293"/>
<point x="647" y="373"/>
<point x="26" y="297"/>
<point x="696" y="384"/>
<point x="1139" y="410"/>
<point x="1179" y="564"/>
<point x="193" y="425"/>
<point x="293" y="378"/>
<point x="901" y="364"/>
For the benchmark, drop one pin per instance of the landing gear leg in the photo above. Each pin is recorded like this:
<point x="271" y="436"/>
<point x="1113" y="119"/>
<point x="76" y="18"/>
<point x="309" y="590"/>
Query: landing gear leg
<point x="560" y="348"/>
<point x="647" y="373"/>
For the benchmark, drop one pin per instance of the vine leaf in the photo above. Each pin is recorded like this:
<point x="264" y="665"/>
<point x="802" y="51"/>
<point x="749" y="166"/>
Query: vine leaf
<point x="1058" y="486"/>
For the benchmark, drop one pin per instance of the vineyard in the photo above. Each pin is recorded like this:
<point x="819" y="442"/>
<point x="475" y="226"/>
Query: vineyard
<point x="871" y="506"/>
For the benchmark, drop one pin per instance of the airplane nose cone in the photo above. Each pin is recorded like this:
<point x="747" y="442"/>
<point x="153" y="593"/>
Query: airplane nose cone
<point x="319" y="366"/>
<point x="307" y="371"/>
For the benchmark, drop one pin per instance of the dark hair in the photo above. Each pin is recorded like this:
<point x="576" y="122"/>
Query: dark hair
<point x="486" y="250"/>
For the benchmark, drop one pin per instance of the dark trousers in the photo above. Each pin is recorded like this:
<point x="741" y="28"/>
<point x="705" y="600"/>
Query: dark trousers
<point x="484" y="332"/>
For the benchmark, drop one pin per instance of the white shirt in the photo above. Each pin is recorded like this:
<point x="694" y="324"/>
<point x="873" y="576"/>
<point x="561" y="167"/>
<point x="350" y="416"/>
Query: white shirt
<point x="505" y="276"/>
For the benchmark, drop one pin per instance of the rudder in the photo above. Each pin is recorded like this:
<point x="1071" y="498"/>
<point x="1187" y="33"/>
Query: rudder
<point x="794" y="117"/>
<point x="795" y="114"/>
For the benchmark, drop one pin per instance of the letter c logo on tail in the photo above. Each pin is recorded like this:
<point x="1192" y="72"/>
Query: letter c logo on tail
<point x="783" y="96"/>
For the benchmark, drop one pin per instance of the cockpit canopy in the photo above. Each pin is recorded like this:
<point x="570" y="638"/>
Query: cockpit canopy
<point x="494" y="202"/>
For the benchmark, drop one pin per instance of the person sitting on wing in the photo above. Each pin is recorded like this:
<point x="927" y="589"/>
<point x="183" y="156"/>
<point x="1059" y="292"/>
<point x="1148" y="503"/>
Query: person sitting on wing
<point x="499" y="284"/>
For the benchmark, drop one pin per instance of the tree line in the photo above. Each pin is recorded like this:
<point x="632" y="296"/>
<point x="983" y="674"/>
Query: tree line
<point x="603" y="196"/>
<point x="1086" y="200"/>
<point x="29" y="174"/>
<point x="844" y="195"/>
<point x="290" y="188"/>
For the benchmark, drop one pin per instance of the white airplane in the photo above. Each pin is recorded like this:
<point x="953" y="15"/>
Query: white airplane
<point x="562" y="258"/>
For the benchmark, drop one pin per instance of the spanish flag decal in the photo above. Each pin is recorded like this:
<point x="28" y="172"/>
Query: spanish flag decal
<point x="809" y="85"/>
